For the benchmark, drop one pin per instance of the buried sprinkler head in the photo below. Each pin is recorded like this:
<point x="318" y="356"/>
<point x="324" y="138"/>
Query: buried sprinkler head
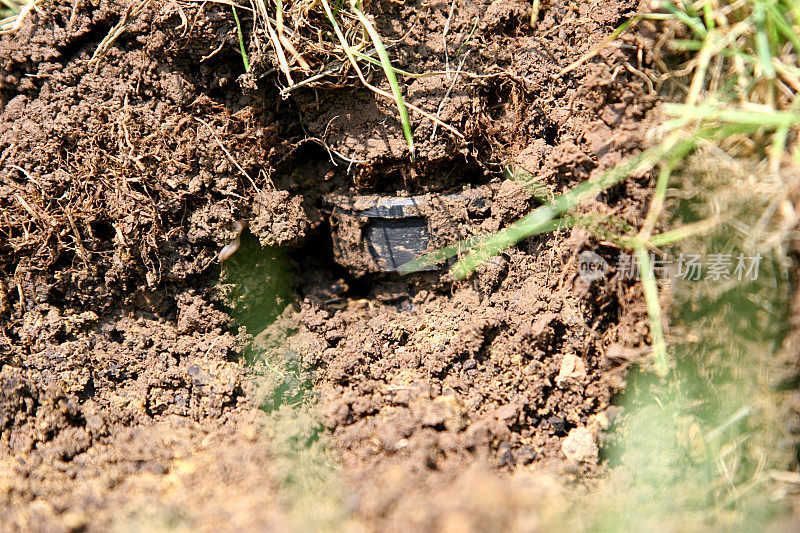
<point x="379" y="233"/>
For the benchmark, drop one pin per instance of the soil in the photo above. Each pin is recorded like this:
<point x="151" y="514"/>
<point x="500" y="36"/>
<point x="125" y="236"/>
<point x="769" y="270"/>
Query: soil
<point x="139" y="377"/>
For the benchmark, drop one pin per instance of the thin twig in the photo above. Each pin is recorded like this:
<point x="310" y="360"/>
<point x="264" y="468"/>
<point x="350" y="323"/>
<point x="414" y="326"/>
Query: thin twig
<point x="102" y="49"/>
<point x="444" y="36"/>
<point x="447" y="94"/>
<point x="14" y="22"/>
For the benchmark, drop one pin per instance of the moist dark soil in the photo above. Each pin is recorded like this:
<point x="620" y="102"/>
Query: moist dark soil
<point x="140" y="377"/>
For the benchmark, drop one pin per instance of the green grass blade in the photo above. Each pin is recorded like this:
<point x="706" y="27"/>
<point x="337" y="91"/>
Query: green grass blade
<point x="279" y="14"/>
<point x="783" y="27"/>
<point x="241" y="40"/>
<point x="342" y="40"/>
<point x="684" y="232"/>
<point x="389" y="70"/>
<point x="472" y="242"/>
<point x="650" y="288"/>
<point x="768" y="118"/>
<point x="781" y="133"/>
<point x="471" y="33"/>
<point x="694" y="23"/>
<point x="539" y="217"/>
<point x="708" y="15"/>
<point x="437" y="256"/>
<point x="762" y="41"/>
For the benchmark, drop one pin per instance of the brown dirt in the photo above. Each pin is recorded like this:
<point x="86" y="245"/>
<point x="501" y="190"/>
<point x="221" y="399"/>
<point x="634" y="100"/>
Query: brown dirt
<point x="129" y="384"/>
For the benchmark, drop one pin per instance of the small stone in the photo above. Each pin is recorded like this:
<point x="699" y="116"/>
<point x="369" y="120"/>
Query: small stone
<point x="579" y="445"/>
<point x="598" y="422"/>
<point x="572" y="370"/>
<point x="420" y="297"/>
<point x="453" y="416"/>
<point x="75" y="520"/>
<point x="506" y="412"/>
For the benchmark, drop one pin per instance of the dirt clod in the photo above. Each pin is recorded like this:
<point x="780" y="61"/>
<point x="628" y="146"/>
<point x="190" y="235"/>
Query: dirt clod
<point x="579" y="445"/>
